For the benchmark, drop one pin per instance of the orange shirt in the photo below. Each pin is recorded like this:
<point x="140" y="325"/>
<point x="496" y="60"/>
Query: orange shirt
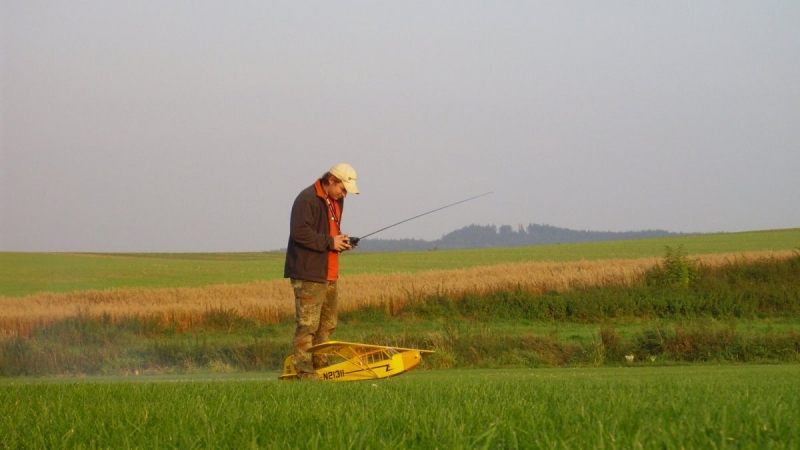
<point x="333" y="257"/>
<point x="333" y="222"/>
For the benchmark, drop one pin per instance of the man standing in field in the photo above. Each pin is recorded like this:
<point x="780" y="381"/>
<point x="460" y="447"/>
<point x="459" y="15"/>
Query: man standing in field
<point x="312" y="262"/>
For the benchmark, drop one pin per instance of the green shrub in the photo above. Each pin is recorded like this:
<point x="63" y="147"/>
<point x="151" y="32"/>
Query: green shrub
<point x="676" y="270"/>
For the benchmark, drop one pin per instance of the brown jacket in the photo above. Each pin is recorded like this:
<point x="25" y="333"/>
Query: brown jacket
<point x="309" y="237"/>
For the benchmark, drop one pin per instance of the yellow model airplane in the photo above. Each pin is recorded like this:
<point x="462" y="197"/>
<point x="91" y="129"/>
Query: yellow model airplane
<point x="361" y="361"/>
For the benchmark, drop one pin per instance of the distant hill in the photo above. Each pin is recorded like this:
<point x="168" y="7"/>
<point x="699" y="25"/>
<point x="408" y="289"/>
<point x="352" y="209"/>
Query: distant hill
<point x="491" y="236"/>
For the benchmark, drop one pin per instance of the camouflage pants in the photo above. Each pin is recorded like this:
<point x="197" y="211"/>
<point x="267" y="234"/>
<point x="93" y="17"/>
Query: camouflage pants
<point x="315" y="315"/>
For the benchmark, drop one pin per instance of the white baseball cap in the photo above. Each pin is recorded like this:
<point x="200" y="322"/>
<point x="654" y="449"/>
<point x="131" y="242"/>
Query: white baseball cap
<point x="347" y="174"/>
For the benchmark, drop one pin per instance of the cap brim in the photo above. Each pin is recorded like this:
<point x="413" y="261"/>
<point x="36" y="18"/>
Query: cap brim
<point x="351" y="187"/>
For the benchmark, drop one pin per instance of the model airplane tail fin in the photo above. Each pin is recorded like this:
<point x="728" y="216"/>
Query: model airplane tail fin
<point x="289" y="371"/>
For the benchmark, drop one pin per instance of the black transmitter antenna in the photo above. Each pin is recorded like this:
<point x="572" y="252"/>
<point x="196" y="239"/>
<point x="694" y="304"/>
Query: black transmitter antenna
<point x="354" y="240"/>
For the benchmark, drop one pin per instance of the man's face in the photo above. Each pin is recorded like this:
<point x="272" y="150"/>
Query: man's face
<point x="336" y="189"/>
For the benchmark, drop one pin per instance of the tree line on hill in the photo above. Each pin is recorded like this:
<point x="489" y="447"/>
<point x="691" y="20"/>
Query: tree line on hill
<point x="492" y="236"/>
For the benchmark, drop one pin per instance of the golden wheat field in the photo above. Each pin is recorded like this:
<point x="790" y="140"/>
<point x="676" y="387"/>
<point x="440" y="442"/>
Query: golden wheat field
<point x="272" y="301"/>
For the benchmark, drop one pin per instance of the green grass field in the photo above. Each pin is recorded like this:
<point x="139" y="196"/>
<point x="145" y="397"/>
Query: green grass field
<point x="676" y="407"/>
<point x="27" y="273"/>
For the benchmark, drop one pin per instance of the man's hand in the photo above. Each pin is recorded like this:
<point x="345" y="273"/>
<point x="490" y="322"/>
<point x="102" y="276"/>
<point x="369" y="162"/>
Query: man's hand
<point x="341" y="243"/>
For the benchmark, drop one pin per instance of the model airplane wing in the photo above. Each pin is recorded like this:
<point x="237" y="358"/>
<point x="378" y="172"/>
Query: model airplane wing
<point x="354" y="349"/>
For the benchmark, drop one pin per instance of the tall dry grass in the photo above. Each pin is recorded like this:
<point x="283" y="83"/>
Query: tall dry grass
<point x="272" y="301"/>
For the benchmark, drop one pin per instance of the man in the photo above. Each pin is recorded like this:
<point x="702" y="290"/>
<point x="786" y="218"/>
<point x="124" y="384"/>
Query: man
<point x="312" y="262"/>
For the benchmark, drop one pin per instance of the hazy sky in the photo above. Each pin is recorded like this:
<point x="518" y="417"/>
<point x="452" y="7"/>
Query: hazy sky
<point x="191" y="126"/>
